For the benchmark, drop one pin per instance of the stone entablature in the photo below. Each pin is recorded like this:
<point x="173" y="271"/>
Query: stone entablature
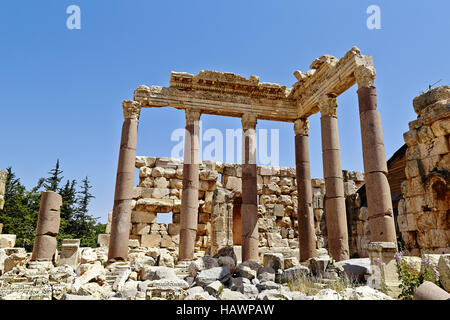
<point x="229" y="94"/>
<point x="423" y="213"/>
<point x="220" y="191"/>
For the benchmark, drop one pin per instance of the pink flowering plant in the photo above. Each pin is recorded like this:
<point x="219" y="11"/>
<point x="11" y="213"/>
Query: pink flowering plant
<point x="411" y="278"/>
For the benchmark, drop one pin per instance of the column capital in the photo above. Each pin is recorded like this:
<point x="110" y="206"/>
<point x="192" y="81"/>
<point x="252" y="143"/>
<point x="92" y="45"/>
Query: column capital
<point x="365" y="76"/>
<point x="192" y="115"/>
<point x="328" y="106"/>
<point x="301" y="126"/>
<point x="248" y="121"/>
<point x="131" y="109"/>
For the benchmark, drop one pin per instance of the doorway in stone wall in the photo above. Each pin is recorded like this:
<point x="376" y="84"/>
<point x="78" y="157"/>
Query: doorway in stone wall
<point x="237" y="221"/>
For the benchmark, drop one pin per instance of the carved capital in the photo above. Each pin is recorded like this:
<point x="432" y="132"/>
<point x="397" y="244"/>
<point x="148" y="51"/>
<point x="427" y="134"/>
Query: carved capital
<point x="365" y="76"/>
<point x="131" y="109"/>
<point x="328" y="106"/>
<point x="248" y="121"/>
<point x="192" y="116"/>
<point x="301" y="126"/>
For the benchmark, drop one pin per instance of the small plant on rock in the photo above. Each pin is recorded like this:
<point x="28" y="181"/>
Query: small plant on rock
<point x="411" y="278"/>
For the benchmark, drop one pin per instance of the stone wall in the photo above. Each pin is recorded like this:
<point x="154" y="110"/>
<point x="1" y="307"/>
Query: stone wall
<point x="424" y="211"/>
<point x="160" y="187"/>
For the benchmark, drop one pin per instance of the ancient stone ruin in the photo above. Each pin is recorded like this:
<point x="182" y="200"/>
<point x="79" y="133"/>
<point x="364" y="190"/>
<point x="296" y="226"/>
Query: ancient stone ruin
<point x="243" y="231"/>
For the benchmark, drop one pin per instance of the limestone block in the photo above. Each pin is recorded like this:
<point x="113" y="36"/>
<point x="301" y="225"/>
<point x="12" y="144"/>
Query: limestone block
<point x="155" y="205"/>
<point x="441" y="127"/>
<point x="143" y="217"/>
<point x="271" y="188"/>
<point x="444" y="271"/>
<point x="166" y="242"/>
<point x="147" y="182"/>
<point x="407" y="222"/>
<point x="275" y="240"/>
<point x="145" y="172"/>
<point x="174" y="228"/>
<point x="433" y="238"/>
<point x="157" y="172"/>
<point x="424" y="100"/>
<point x="233" y="183"/>
<point x="140" y="228"/>
<point x="176" y="183"/>
<point x="278" y="210"/>
<point x="440" y="146"/>
<point x="411" y="137"/>
<point x="151" y="240"/>
<point x="424" y="134"/>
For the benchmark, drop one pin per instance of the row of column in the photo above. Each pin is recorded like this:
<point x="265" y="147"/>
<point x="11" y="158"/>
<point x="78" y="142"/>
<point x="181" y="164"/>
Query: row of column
<point x="377" y="188"/>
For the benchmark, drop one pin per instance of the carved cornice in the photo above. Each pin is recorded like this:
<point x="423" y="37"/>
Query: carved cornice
<point x="192" y="116"/>
<point x="301" y="126"/>
<point x="248" y="121"/>
<point x="131" y="109"/>
<point x="328" y="106"/>
<point x="365" y="76"/>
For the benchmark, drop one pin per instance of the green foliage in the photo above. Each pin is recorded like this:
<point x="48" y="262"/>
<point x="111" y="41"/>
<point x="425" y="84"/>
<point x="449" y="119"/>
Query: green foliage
<point x="411" y="278"/>
<point x="20" y="213"/>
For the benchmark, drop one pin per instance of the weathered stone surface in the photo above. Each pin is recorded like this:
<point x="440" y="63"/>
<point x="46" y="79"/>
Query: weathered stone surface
<point x="157" y="273"/>
<point x="355" y="269"/>
<point x="294" y="274"/>
<point x="208" y="276"/>
<point x="327" y="294"/>
<point x="227" y="294"/>
<point x="203" y="263"/>
<point x="7" y="240"/>
<point x="444" y="271"/>
<point x="248" y="269"/>
<point x="364" y="293"/>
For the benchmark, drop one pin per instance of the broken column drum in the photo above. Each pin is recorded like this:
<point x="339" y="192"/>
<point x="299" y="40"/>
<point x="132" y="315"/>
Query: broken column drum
<point x="44" y="247"/>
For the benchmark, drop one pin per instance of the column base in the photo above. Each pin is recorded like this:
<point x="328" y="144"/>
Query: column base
<point x="384" y="275"/>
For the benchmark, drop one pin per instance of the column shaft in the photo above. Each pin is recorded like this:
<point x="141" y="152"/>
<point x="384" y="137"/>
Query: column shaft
<point x="336" y="216"/>
<point x="249" y="208"/>
<point x="121" y="217"/>
<point x="47" y="226"/>
<point x="379" y="201"/>
<point x="306" y="231"/>
<point x="189" y="197"/>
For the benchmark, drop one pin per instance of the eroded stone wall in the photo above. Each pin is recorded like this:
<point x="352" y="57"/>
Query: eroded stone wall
<point x="424" y="211"/>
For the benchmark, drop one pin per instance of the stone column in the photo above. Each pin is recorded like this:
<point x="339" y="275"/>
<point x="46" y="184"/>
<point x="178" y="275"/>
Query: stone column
<point x="249" y="207"/>
<point x="189" y="197"/>
<point x="306" y="231"/>
<point x="121" y="217"/>
<point x="379" y="202"/>
<point x="336" y="217"/>
<point x="3" y="177"/>
<point x="47" y="227"/>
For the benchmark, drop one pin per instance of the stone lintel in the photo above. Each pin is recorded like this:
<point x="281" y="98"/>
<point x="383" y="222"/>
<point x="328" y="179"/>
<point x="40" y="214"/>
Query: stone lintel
<point x="331" y="77"/>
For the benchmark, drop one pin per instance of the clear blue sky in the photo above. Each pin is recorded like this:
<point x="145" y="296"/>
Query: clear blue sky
<point x="61" y="89"/>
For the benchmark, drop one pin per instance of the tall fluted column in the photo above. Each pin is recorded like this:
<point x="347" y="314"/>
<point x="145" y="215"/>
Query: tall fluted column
<point x="249" y="208"/>
<point x="379" y="201"/>
<point x="336" y="217"/>
<point x="121" y="217"/>
<point x="189" y="197"/>
<point x="307" y="237"/>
